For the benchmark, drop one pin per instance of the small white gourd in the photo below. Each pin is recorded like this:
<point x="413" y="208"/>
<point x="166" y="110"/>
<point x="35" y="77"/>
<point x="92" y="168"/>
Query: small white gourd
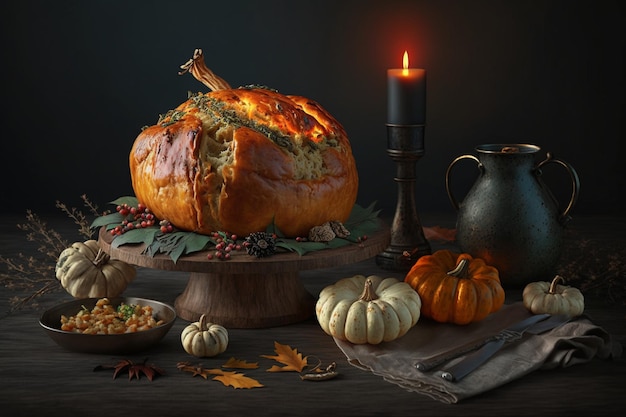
<point x="202" y="339"/>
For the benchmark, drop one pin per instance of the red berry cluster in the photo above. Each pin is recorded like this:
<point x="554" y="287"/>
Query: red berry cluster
<point x="225" y="243"/>
<point x="166" y="226"/>
<point x="137" y="218"/>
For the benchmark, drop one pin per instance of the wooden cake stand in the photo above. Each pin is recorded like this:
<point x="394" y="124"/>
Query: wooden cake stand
<point x="245" y="291"/>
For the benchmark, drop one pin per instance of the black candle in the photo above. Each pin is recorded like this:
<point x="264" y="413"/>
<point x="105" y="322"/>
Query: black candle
<point x="406" y="95"/>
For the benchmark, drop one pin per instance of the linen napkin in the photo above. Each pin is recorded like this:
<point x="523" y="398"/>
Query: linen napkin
<point x="574" y="342"/>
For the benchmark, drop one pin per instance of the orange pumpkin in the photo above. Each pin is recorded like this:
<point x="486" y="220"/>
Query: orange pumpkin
<point x="456" y="288"/>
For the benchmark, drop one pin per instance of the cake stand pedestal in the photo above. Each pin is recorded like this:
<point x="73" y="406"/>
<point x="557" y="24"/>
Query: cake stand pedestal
<point x="245" y="291"/>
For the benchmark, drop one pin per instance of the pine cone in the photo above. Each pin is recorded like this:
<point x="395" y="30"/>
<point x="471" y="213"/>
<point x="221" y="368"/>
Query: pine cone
<point x="323" y="233"/>
<point x="339" y="229"/>
<point x="260" y="244"/>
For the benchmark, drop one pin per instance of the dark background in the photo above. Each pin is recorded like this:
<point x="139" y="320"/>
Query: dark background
<point x="82" y="77"/>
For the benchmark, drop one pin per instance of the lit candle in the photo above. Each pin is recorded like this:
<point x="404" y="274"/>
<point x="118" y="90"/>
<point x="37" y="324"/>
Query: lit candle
<point x="406" y="95"/>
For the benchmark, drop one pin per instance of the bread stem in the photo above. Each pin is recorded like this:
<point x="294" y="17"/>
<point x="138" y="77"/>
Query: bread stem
<point x="199" y="70"/>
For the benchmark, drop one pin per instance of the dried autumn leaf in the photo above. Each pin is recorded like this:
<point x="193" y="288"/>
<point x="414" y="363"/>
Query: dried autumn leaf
<point x="194" y="370"/>
<point x="232" y="378"/>
<point x="233" y="363"/>
<point x="214" y="371"/>
<point x="289" y="357"/>
<point x="134" y="369"/>
<point x="438" y="233"/>
<point x="237" y="380"/>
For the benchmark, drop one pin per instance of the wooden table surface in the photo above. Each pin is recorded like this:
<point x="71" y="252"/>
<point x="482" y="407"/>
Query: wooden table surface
<point x="37" y="377"/>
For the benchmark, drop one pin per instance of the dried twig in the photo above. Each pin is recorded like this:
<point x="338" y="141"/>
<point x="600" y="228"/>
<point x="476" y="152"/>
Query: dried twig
<point x="36" y="274"/>
<point x="596" y="267"/>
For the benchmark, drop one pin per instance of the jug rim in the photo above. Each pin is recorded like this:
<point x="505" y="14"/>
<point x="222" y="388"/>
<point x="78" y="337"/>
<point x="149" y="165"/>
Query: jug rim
<point x="508" y="148"/>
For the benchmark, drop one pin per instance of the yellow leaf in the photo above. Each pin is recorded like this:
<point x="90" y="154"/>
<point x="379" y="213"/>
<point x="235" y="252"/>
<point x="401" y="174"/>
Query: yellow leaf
<point x="195" y="370"/>
<point x="240" y="364"/>
<point x="289" y="357"/>
<point x="237" y="380"/>
<point x="234" y="379"/>
<point x="213" y="371"/>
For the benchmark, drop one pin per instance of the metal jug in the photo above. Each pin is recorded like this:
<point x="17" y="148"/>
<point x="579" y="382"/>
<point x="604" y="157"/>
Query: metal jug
<point x="509" y="217"/>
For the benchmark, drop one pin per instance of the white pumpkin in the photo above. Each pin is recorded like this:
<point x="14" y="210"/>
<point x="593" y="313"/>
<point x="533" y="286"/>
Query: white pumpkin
<point x="549" y="297"/>
<point x="86" y="271"/>
<point x="203" y="339"/>
<point x="368" y="310"/>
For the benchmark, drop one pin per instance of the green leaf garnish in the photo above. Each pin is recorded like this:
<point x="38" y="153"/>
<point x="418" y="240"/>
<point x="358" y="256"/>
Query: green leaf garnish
<point x="363" y="221"/>
<point x="176" y="244"/>
<point x="302" y="248"/>
<point x="129" y="200"/>
<point x="144" y="235"/>
<point x="109" y="221"/>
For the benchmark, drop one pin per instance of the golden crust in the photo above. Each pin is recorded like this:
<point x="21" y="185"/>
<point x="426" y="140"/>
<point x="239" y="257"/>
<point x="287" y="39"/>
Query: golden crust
<point x="237" y="160"/>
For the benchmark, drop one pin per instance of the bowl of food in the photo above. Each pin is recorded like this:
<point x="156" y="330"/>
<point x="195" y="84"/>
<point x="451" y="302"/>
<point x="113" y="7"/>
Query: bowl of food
<point x="108" y="326"/>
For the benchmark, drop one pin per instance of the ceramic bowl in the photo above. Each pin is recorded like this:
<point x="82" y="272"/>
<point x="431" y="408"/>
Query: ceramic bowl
<point x="107" y="343"/>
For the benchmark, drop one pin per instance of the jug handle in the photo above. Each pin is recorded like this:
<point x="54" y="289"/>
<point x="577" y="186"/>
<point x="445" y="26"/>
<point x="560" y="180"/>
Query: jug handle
<point x="453" y="200"/>
<point x="575" y="182"/>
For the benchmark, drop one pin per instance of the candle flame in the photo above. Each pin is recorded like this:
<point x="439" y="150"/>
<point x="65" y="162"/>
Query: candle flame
<point x="405" y="63"/>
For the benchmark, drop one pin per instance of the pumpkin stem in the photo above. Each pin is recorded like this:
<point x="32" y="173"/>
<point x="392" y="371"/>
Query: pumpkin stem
<point x="460" y="271"/>
<point x="368" y="293"/>
<point x="554" y="283"/>
<point x="202" y="323"/>
<point x="101" y="258"/>
<point x="199" y="70"/>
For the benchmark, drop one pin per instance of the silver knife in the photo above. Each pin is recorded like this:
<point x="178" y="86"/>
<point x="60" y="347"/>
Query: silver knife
<point x="471" y="362"/>
<point x="431" y="363"/>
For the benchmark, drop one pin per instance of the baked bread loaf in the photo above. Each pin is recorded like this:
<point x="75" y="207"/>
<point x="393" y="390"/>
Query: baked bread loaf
<point x="238" y="160"/>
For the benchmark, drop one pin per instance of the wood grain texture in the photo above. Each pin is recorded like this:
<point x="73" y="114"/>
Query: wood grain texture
<point x="37" y="377"/>
<point x="246" y="300"/>
<point x="242" y="263"/>
<point x="245" y="291"/>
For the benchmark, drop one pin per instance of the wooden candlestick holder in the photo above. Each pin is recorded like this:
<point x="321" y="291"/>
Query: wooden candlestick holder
<point x="405" y="146"/>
